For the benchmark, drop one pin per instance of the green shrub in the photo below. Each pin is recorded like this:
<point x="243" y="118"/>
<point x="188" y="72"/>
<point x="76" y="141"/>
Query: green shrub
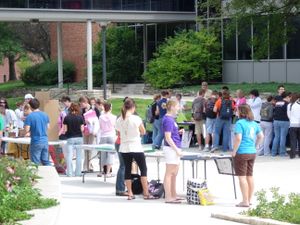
<point x="17" y="194"/>
<point x="278" y="208"/>
<point x="186" y="58"/>
<point x="46" y="73"/>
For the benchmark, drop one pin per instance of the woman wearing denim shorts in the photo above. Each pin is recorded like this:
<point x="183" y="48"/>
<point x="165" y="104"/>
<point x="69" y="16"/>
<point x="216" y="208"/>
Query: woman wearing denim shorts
<point x="248" y="136"/>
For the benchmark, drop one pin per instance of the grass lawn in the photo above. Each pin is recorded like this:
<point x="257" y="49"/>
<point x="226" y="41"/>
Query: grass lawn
<point x="261" y="87"/>
<point x="11" y="85"/>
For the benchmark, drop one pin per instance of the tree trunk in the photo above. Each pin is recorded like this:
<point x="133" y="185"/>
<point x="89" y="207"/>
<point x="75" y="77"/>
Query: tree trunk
<point x="11" y="66"/>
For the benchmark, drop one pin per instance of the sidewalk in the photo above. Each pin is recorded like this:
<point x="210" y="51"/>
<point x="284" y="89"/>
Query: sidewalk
<point x="184" y="98"/>
<point x="94" y="202"/>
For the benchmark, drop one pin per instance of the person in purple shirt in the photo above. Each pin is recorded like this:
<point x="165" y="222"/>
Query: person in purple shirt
<point x="172" y="151"/>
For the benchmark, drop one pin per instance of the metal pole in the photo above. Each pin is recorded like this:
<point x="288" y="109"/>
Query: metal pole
<point x="103" y="33"/>
<point x="89" y="56"/>
<point x="60" y="55"/>
<point x="145" y="46"/>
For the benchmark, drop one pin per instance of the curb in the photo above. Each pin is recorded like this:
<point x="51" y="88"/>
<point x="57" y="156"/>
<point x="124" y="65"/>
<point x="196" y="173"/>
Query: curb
<point x="50" y="187"/>
<point x="247" y="219"/>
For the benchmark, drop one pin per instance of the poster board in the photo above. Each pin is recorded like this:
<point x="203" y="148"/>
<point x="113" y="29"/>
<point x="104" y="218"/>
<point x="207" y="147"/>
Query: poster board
<point x="186" y="139"/>
<point x="43" y="97"/>
<point x="51" y="108"/>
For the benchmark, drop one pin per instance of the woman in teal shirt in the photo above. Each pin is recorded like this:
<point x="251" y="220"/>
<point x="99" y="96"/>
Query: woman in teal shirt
<point x="248" y="136"/>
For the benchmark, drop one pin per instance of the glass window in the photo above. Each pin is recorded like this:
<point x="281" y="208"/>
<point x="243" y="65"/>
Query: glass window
<point x="48" y="4"/>
<point x="76" y="4"/>
<point x="229" y="42"/>
<point x="260" y="34"/>
<point x="107" y="4"/>
<point x="277" y="52"/>
<point x="151" y="45"/>
<point x="136" y="4"/>
<point x="13" y="4"/>
<point x="244" y="39"/>
<point x="161" y="32"/>
<point x="293" y="47"/>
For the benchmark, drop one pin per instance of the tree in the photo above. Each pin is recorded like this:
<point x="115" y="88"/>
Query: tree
<point x="184" y="59"/>
<point x="272" y="20"/>
<point x="123" y="56"/>
<point x="10" y="47"/>
<point x="35" y="38"/>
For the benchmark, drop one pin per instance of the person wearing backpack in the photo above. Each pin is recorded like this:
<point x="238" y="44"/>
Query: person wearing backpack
<point x="224" y="108"/>
<point x="210" y="119"/>
<point x="151" y="114"/>
<point x="293" y="113"/>
<point x="266" y="124"/>
<point x="161" y="110"/>
<point x="198" y="115"/>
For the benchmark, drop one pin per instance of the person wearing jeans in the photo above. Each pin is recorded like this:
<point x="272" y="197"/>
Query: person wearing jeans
<point x="73" y="128"/>
<point x="37" y="123"/>
<point x="281" y="124"/>
<point x="293" y="112"/>
<point x="72" y="143"/>
<point x="120" y="182"/>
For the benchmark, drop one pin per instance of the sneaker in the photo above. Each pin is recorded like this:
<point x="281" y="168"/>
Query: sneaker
<point x="214" y="149"/>
<point x="206" y="149"/>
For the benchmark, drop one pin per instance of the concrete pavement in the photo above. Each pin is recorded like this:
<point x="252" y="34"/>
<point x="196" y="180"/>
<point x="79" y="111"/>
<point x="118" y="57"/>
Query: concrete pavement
<point x="94" y="202"/>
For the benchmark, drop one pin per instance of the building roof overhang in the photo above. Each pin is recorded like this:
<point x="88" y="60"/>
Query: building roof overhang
<point x="62" y="15"/>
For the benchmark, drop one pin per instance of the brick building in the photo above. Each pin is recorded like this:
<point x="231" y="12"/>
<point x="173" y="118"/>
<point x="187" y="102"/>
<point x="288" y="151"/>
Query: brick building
<point x="74" y="45"/>
<point x="4" y="70"/>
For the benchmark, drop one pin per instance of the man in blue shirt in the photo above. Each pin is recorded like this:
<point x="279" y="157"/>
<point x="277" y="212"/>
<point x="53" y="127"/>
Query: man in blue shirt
<point x="37" y="123"/>
<point x="161" y="111"/>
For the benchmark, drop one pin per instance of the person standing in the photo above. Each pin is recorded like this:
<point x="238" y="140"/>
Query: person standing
<point x="248" y="137"/>
<point x="131" y="128"/>
<point x="172" y="151"/>
<point x="255" y="103"/>
<point x="161" y="110"/>
<point x="266" y="124"/>
<point x="293" y="113"/>
<point x="281" y="124"/>
<point x="37" y="123"/>
<point x="198" y="106"/>
<point x="73" y="129"/>
<point x="207" y="92"/>
<point x="107" y="123"/>
<point x="155" y="127"/>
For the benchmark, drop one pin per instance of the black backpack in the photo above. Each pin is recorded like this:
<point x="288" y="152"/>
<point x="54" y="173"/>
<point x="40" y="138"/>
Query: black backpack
<point x="209" y="110"/>
<point x="149" y="114"/>
<point x="266" y="111"/>
<point x="226" y="111"/>
<point x="197" y="108"/>
<point x="156" y="189"/>
<point x="137" y="188"/>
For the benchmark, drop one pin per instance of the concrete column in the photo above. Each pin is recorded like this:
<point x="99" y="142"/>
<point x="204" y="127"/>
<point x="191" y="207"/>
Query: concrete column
<point x="60" y="55"/>
<point x="145" y="46"/>
<point x="103" y="33"/>
<point x="89" y="54"/>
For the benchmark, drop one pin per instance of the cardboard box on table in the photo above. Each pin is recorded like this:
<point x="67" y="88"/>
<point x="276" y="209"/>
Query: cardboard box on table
<point x="51" y="108"/>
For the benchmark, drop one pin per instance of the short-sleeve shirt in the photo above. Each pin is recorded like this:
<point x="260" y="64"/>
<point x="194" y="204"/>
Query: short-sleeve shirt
<point x="248" y="130"/>
<point x="162" y="106"/>
<point x="130" y="134"/>
<point x="169" y="125"/>
<point x="1" y="123"/>
<point x="218" y="104"/>
<point x="74" y="123"/>
<point x="38" y="122"/>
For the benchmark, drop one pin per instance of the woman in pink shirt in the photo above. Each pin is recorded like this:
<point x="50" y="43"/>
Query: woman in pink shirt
<point x="240" y="98"/>
<point x="108" y="136"/>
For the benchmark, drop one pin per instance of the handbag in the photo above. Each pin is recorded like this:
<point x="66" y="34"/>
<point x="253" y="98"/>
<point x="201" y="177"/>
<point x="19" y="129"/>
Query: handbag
<point x="193" y="187"/>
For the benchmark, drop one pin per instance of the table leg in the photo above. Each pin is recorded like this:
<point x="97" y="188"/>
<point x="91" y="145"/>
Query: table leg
<point x="205" y="169"/>
<point x="197" y="168"/>
<point x="158" y="161"/>
<point x="183" y="175"/>
<point x="193" y="169"/>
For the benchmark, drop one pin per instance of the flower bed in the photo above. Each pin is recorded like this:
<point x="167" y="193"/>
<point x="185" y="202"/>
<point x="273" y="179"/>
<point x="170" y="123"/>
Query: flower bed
<point x="17" y="192"/>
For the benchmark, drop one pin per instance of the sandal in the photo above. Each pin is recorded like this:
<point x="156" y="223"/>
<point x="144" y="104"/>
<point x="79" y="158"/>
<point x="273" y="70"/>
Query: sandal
<point x="150" y="197"/>
<point x="179" y="199"/>
<point x="242" y="204"/>
<point x="131" y="197"/>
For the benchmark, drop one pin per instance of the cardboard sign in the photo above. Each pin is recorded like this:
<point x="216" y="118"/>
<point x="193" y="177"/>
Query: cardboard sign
<point x="51" y="108"/>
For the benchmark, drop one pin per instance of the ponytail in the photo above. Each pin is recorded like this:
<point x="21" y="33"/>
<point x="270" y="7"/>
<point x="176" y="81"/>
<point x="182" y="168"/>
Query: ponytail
<point x="128" y="104"/>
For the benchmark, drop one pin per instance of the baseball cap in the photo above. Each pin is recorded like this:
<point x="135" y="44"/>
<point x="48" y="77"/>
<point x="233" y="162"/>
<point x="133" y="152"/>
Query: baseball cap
<point x="28" y="96"/>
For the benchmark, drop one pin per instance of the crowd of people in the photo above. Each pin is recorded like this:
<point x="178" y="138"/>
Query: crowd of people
<point x="237" y="122"/>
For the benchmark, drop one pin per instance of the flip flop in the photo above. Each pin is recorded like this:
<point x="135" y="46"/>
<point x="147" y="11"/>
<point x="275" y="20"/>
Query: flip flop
<point x="131" y="197"/>
<point x="241" y="204"/>
<point x="173" y="202"/>
<point x="150" y="197"/>
<point x="180" y="199"/>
